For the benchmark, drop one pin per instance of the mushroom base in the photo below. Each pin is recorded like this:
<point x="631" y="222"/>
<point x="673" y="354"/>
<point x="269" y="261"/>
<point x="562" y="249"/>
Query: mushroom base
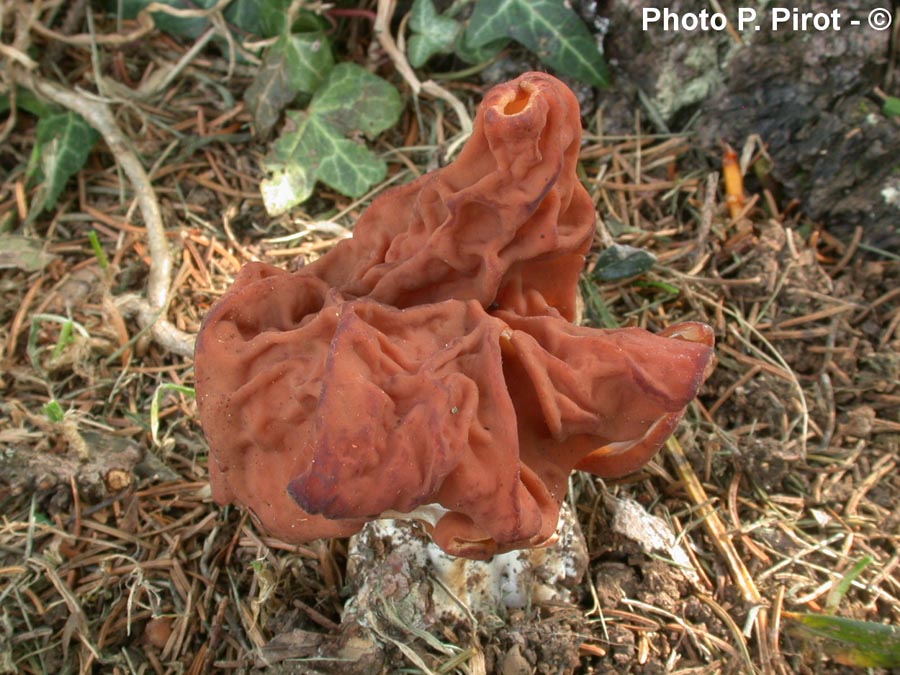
<point x="414" y="604"/>
<point x="404" y="579"/>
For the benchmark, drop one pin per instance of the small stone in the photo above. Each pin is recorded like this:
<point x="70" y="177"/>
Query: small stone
<point x="514" y="663"/>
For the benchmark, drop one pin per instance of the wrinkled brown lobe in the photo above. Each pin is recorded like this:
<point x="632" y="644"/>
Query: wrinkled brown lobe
<point x="431" y="358"/>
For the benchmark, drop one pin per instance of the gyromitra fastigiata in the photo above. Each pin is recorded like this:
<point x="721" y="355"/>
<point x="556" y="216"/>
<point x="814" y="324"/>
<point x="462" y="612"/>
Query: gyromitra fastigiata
<point x="428" y="366"/>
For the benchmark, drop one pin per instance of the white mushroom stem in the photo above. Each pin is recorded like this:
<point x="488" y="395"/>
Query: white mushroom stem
<point x="395" y="562"/>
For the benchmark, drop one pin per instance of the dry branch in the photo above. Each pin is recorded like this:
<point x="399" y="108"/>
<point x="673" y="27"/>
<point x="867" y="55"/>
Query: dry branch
<point x="430" y="87"/>
<point x="150" y="311"/>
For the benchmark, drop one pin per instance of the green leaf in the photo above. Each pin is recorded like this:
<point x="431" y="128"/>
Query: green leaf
<point x="64" y="340"/>
<point x="245" y="15"/>
<point x="668" y="289"/>
<point x="63" y="142"/>
<point x="621" y="262"/>
<point x="596" y="310"/>
<point x="99" y="253"/>
<point x="53" y="411"/>
<point x="25" y="100"/>
<point x="272" y="16"/>
<point x="308" y="59"/>
<point x="891" y="106"/>
<point x="478" y="55"/>
<point x="834" y="597"/>
<point x="548" y="28"/>
<point x="432" y="33"/>
<point x="354" y="100"/>
<point x="313" y="150"/>
<point x="853" y="643"/>
<point x="269" y="93"/>
<point x="295" y="64"/>
<point x="192" y="27"/>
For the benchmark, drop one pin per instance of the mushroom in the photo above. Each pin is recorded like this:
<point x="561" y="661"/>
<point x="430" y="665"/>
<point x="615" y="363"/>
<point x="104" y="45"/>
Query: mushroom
<point x="507" y="223"/>
<point x="428" y="367"/>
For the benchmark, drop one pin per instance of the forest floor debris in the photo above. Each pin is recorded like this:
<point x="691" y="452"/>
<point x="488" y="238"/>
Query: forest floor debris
<point x="780" y="490"/>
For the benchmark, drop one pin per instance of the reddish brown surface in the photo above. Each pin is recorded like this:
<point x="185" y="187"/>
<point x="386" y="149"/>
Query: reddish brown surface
<point x="431" y="359"/>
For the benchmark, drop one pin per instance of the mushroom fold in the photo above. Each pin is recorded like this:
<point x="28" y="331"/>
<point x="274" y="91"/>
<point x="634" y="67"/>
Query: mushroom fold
<point x="428" y="366"/>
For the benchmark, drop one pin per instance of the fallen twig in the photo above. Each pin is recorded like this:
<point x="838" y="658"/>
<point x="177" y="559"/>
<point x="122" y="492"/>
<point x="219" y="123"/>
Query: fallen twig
<point x="150" y="311"/>
<point x="719" y="534"/>
<point x="430" y="87"/>
<point x="713" y="523"/>
<point x="145" y="26"/>
<point x="706" y="216"/>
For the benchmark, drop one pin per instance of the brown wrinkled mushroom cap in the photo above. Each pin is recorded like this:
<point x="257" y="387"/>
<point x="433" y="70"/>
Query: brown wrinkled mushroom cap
<point x="508" y="222"/>
<point x="429" y="366"/>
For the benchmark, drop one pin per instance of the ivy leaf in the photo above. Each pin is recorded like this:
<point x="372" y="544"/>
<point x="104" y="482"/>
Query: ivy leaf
<point x="476" y="55"/>
<point x="312" y="151"/>
<point x="25" y="100"/>
<point x="620" y="261"/>
<point x="269" y="93"/>
<point x="313" y="147"/>
<point x="432" y="33"/>
<point x="296" y="63"/>
<point x="354" y="100"/>
<point x="189" y="27"/>
<point x="63" y="142"/>
<point x="288" y="184"/>
<point x="308" y="59"/>
<point x="548" y="28"/>
<point x="272" y="16"/>
<point x="243" y="14"/>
